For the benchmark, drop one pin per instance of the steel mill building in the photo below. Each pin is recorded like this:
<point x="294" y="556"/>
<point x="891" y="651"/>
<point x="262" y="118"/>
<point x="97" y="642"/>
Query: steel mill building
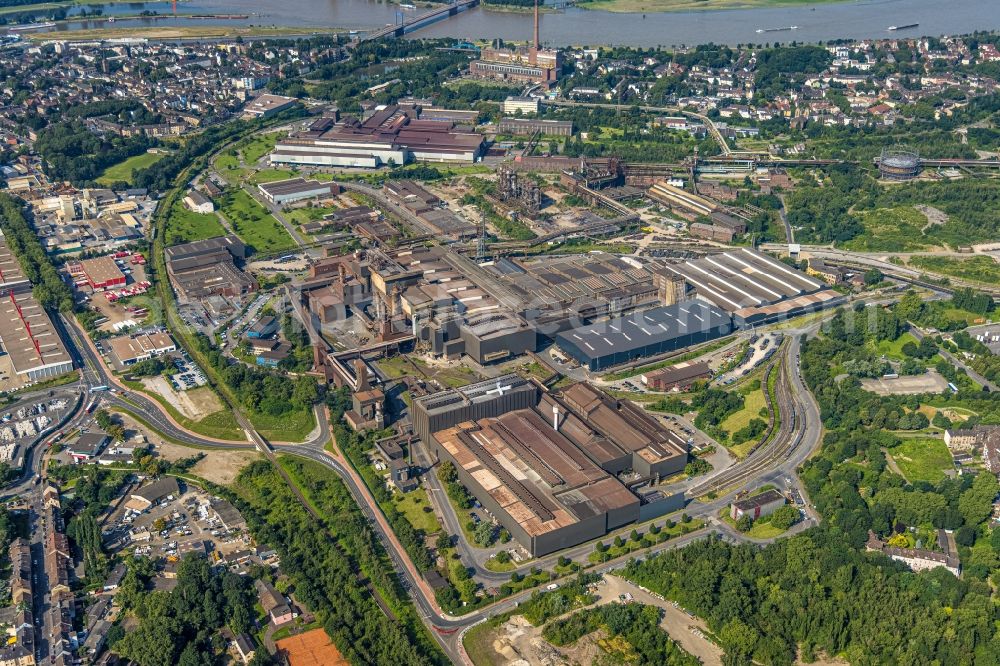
<point x="555" y="469"/>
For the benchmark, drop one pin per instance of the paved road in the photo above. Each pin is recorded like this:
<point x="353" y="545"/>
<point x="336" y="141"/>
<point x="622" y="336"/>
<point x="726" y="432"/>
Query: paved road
<point x="958" y="362"/>
<point x="151" y="411"/>
<point x="275" y="210"/>
<point x="446" y="628"/>
<point x="797" y="441"/>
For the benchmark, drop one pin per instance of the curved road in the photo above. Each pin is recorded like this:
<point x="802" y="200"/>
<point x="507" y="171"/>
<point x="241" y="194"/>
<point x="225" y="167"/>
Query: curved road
<point x="777" y="467"/>
<point x="796" y="440"/>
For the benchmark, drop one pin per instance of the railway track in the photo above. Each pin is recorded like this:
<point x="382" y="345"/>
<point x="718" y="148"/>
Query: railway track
<point x="763" y="459"/>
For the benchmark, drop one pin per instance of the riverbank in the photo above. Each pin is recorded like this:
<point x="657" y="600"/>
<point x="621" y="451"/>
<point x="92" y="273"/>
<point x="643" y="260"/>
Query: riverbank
<point x="181" y="32"/>
<point x="657" y="6"/>
<point x="516" y="9"/>
<point x="69" y="4"/>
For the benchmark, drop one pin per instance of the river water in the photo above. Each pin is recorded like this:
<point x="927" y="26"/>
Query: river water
<point x="856" y="19"/>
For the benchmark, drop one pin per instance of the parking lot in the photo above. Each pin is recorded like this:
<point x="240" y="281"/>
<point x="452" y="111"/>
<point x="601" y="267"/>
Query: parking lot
<point x="22" y="423"/>
<point x="929" y="382"/>
<point x="188" y="375"/>
<point x="192" y="521"/>
<point x="761" y="348"/>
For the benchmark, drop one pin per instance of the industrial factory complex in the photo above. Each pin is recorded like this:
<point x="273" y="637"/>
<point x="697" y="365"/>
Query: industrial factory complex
<point x="598" y="309"/>
<point x="556" y="469"/>
<point x="393" y="135"/>
<point x="644" y="333"/>
<point x="28" y="339"/>
<point x="753" y="287"/>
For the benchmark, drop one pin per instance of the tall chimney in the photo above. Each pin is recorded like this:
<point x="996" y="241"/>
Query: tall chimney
<point x="536" y="44"/>
<point x="555" y="417"/>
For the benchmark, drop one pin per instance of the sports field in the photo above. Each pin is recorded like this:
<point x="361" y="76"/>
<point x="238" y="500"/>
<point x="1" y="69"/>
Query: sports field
<point x="312" y="648"/>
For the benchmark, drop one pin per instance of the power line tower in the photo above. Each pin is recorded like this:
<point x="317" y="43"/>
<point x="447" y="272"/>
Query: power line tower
<point x="481" y="243"/>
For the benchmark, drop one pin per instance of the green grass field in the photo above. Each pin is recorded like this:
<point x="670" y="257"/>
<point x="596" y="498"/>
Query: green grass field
<point x="228" y="166"/>
<point x="892" y="230"/>
<point x="289" y="427"/>
<point x="259" y="145"/>
<point x="493" y="564"/>
<point x="412" y="506"/>
<point x="123" y="170"/>
<point x="303" y="215"/>
<point x="894" y="348"/>
<point x="254" y="224"/>
<point x="980" y="268"/>
<point x="753" y="402"/>
<point x="184" y="226"/>
<point x="922" y="458"/>
<point x="761" y="529"/>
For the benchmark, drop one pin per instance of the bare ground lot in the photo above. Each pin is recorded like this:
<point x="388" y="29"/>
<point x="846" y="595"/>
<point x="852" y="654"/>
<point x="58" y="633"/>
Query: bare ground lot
<point x="930" y="382"/>
<point x="218" y="466"/>
<point x="517" y="642"/>
<point x="195" y="404"/>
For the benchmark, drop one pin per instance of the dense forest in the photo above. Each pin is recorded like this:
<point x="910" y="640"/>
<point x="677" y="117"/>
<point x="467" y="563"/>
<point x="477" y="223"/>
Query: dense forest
<point x="811" y="595"/>
<point x="819" y="593"/>
<point x="72" y="152"/>
<point x="323" y="568"/>
<point x="182" y="627"/>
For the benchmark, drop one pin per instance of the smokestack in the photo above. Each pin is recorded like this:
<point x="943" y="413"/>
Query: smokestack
<point x="555" y="417"/>
<point x="536" y="44"/>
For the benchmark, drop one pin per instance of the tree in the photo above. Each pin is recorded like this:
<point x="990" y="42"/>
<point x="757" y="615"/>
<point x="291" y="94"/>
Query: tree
<point x="739" y="639"/>
<point x="443" y="541"/>
<point x="965" y="536"/>
<point x="941" y="421"/>
<point x="784" y="517"/>
<point x="744" y="523"/>
<point x="976" y="503"/>
<point x="485" y="533"/>
<point x="873" y="277"/>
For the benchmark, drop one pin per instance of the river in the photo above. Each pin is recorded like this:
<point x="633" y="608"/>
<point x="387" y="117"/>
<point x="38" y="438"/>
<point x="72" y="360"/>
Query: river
<point x="859" y="19"/>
